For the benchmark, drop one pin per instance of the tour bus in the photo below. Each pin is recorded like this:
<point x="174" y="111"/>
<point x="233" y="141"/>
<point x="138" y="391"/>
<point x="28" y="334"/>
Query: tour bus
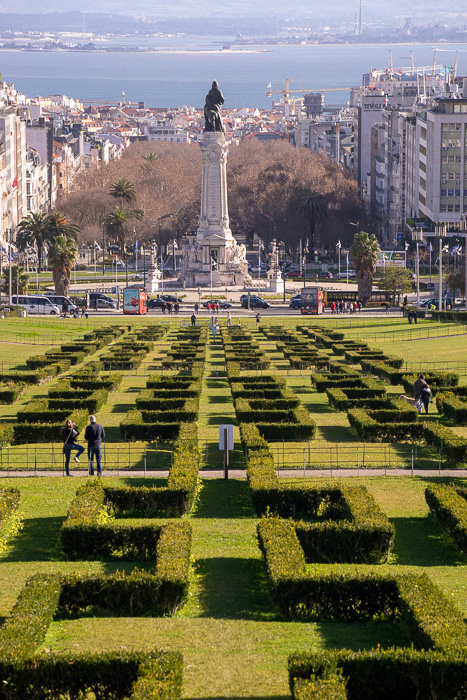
<point x="135" y="301"/>
<point x="378" y="298"/>
<point x="312" y="300"/>
<point x="35" y="304"/>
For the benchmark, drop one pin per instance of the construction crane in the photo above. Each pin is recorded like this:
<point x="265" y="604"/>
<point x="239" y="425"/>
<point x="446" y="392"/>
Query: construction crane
<point x="287" y="92"/>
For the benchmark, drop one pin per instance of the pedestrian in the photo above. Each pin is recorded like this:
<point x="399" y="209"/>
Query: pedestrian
<point x="196" y="308"/>
<point x="208" y="306"/>
<point x="355" y="307"/>
<point x="94" y="434"/>
<point x="69" y="433"/>
<point x="229" y="319"/>
<point x="426" y="397"/>
<point x="333" y="307"/>
<point x="83" y="310"/>
<point x="164" y="307"/>
<point x="405" y="300"/>
<point x="409" y="317"/>
<point x="65" y="308"/>
<point x="359" y="304"/>
<point x="193" y="319"/>
<point x="387" y="308"/>
<point x="419" y="385"/>
<point x="169" y="307"/>
<point x="415" y="316"/>
<point x="214" y="332"/>
<point x="258" y="319"/>
<point x="177" y="307"/>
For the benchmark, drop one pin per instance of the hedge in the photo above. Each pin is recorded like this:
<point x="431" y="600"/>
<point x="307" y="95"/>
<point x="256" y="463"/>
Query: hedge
<point x="10" y="392"/>
<point x="118" y="675"/>
<point x="132" y="428"/>
<point x="110" y="382"/>
<point x="36" y="377"/>
<point x="366" y="424"/>
<point x="434" y="379"/>
<point x="339" y="400"/>
<point x="453" y="407"/>
<point x="449" y="504"/>
<point x="444" y="439"/>
<point x="93" y="402"/>
<point x="383" y="370"/>
<point x="47" y="432"/>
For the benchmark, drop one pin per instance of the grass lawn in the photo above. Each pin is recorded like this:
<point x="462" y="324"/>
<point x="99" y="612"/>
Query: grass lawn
<point x="234" y="642"/>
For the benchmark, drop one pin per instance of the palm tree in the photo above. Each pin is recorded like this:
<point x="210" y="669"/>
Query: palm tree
<point x="117" y="220"/>
<point x="123" y="190"/>
<point x="313" y="206"/>
<point x="62" y="257"/>
<point x="34" y="231"/>
<point x="58" y="226"/>
<point x="19" y="280"/>
<point x="364" y="253"/>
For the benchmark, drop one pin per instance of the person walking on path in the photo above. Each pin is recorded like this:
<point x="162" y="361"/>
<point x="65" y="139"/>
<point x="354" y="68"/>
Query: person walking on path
<point x="69" y="433"/>
<point x="420" y="391"/>
<point x="229" y="319"/>
<point x="94" y="434"/>
<point x="193" y="319"/>
<point x="258" y="319"/>
<point x="214" y="332"/>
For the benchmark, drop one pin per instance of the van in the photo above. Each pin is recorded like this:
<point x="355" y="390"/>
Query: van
<point x="59" y="301"/>
<point x="35" y="304"/>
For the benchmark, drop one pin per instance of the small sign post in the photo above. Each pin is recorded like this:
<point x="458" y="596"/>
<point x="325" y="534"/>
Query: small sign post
<point x="226" y="444"/>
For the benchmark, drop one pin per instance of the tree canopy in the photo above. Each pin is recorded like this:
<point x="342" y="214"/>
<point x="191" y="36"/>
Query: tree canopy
<point x="364" y="253"/>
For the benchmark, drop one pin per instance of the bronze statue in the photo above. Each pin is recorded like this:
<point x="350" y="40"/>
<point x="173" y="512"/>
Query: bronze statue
<point x="212" y="109"/>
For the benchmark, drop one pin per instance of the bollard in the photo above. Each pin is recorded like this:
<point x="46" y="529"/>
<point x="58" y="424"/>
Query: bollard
<point x="145" y="462"/>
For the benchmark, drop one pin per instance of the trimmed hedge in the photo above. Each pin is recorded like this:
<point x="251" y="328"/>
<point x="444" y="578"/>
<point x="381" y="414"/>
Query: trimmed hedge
<point x="453" y="407"/>
<point x="47" y="432"/>
<point x="434" y="379"/>
<point x="10" y="392"/>
<point x="444" y="439"/>
<point x="449" y="504"/>
<point x="369" y="426"/>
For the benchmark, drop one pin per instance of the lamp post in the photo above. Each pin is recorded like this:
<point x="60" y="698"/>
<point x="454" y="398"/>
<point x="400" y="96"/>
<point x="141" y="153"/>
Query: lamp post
<point x="440" y="234"/>
<point x="9" y="266"/>
<point x="463" y="227"/>
<point x="260" y="247"/>
<point x="417" y="237"/>
<point x="144" y="265"/>
<point x="103" y="251"/>
<point x="338" y="247"/>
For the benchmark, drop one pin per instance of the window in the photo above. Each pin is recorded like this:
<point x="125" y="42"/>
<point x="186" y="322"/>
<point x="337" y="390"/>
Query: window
<point x="450" y="143"/>
<point x="444" y="208"/>
<point x="422" y="167"/>
<point x="443" y="193"/>
<point x="423" y="132"/>
<point x="423" y="183"/>
<point x="423" y="150"/>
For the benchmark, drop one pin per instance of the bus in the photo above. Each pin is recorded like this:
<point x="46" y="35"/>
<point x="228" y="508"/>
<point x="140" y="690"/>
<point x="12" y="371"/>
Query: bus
<point x="378" y="298"/>
<point x="135" y="301"/>
<point x="312" y="300"/>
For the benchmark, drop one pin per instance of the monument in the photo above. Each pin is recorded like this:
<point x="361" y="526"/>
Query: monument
<point x="214" y="257"/>
<point x="154" y="275"/>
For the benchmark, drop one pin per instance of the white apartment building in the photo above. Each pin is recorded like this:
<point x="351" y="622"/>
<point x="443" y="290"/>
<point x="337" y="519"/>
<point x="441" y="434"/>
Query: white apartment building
<point x="165" y="132"/>
<point x="13" y="146"/>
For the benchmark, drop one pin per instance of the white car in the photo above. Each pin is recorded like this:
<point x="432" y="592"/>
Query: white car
<point x="343" y="275"/>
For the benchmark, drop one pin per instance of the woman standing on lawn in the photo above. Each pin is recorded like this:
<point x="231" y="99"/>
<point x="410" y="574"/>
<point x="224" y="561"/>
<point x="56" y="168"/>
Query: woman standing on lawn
<point x="69" y="433"/>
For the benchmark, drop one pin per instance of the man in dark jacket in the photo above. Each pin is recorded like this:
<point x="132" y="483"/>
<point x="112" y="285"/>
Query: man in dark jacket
<point x="94" y="434"/>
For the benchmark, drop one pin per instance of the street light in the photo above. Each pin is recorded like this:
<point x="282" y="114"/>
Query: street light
<point x="417" y="237"/>
<point x="338" y="248"/>
<point x="440" y="234"/>
<point x="463" y="227"/>
<point x="9" y="231"/>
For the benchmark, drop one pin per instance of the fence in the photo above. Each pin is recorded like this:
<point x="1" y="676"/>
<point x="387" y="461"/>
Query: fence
<point x="122" y="457"/>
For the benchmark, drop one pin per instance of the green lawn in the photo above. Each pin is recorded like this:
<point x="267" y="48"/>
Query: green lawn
<point x="234" y="642"/>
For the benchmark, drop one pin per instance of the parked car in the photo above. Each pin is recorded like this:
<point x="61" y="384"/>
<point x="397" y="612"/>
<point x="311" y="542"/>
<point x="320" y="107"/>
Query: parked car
<point x="428" y="302"/>
<point x="156" y="303"/>
<point x="343" y="275"/>
<point x="294" y="273"/>
<point x="171" y="298"/>
<point x="103" y="304"/>
<point x="255" y="303"/>
<point x="328" y="275"/>
<point x="222" y="304"/>
<point x="296" y="303"/>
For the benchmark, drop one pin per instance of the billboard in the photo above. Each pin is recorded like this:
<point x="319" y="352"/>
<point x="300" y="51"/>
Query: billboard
<point x="391" y="257"/>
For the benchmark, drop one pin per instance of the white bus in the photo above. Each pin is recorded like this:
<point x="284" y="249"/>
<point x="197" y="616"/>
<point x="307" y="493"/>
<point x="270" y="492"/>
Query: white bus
<point x="35" y="304"/>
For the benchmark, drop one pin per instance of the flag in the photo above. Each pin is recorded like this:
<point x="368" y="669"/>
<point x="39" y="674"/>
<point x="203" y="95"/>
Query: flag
<point x="430" y="248"/>
<point x="455" y="250"/>
<point x="445" y="249"/>
<point x="136" y="244"/>
<point x="406" y="246"/>
<point x="339" y="245"/>
<point x="97" y="246"/>
<point x="15" y="182"/>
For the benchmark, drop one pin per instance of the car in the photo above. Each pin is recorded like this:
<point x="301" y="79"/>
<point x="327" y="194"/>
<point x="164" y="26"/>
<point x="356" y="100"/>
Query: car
<point x="428" y="302"/>
<point x="296" y="296"/>
<point x="138" y="278"/>
<point x="296" y="303"/>
<point x="255" y="303"/>
<point x="156" y="303"/>
<point x="222" y="304"/>
<point x="344" y="275"/>
<point x="171" y="298"/>
<point x="328" y="276"/>
<point x="102" y="304"/>
<point x="257" y="269"/>
<point x="294" y="273"/>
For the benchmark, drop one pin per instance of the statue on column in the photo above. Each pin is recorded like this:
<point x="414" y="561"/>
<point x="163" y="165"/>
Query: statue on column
<point x="212" y="109"/>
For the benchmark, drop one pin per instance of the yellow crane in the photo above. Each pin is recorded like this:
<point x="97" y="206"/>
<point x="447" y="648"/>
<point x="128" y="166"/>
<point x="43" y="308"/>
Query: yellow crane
<point x="287" y="91"/>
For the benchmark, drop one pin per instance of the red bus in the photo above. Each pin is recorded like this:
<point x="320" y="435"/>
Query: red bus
<point x="312" y="300"/>
<point x="135" y="301"/>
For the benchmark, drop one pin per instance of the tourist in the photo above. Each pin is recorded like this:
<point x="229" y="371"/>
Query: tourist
<point x="409" y="317"/>
<point x="214" y="331"/>
<point x="414" y="316"/>
<point x="94" y="434"/>
<point x="176" y="307"/>
<point x="359" y="305"/>
<point x="69" y="433"/>
<point x="258" y="319"/>
<point x="419" y="385"/>
<point x="193" y="319"/>
<point x="229" y="319"/>
<point x="208" y="306"/>
<point x="196" y="308"/>
<point x="169" y="307"/>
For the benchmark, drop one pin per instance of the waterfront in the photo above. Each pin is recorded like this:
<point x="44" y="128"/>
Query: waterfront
<point x="177" y="74"/>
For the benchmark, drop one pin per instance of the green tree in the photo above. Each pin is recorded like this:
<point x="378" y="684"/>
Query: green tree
<point x="364" y="253"/>
<point x="62" y="257"/>
<point x="34" y="231"/>
<point x="58" y="225"/>
<point x="396" y="280"/>
<point x="313" y="207"/>
<point x="19" y="280"/>
<point x="116" y="223"/>
<point x="456" y="280"/>
<point x="123" y="190"/>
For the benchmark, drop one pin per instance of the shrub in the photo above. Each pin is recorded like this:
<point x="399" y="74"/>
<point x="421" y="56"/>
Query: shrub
<point x="449" y="504"/>
<point x="366" y="425"/>
<point x="453" y="407"/>
<point x="446" y="440"/>
<point x="47" y="432"/>
<point x="9" y="392"/>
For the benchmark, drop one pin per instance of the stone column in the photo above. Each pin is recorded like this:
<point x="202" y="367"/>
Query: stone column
<point x="214" y="214"/>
